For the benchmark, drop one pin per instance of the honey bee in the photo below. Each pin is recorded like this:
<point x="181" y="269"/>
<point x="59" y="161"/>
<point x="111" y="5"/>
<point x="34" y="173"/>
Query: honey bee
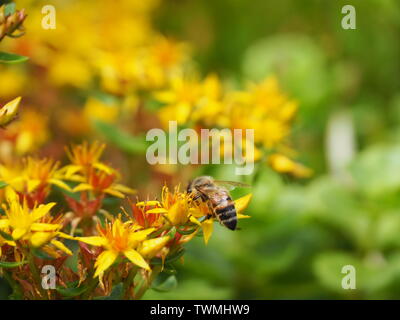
<point x="215" y="193"/>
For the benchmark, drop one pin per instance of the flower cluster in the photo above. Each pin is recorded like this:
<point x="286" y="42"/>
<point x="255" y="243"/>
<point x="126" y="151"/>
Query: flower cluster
<point x="93" y="249"/>
<point x="262" y="107"/>
<point x="11" y="23"/>
<point x="140" y="73"/>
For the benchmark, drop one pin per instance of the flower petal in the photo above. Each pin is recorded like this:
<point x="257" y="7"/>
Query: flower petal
<point x="33" y="184"/>
<point x="71" y="170"/>
<point x="136" y="258"/>
<point x="94" y="241"/>
<point x="104" y="261"/>
<point x="194" y="220"/>
<point x="40" y="238"/>
<point x="4" y="223"/>
<point x="124" y="189"/>
<point x="148" y="203"/>
<point x="114" y="193"/>
<point x="207" y="226"/>
<point x="151" y="247"/>
<point x="61" y="184"/>
<point x="42" y="210"/>
<point x="140" y="235"/>
<point x="11" y="195"/>
<point x="61" y="246"/>
<point x="242" y="203"/>
<point x="103" y="167"/>
<point x="157" y="210"/>
<point x="82" y="187"/>
<point x="18" y="233"/>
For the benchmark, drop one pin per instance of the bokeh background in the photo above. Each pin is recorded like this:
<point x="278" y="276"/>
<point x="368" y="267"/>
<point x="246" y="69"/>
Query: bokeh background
<point x="347" y="85"/>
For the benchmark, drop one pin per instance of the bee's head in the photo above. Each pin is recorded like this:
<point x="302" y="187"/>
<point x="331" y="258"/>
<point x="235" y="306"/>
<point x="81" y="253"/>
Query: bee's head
<point x="203" y="181"/>
<point x="199" y="182"/>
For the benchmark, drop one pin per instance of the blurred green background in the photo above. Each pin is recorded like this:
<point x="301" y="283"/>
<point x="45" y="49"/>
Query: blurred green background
<point x="301" y="234"/>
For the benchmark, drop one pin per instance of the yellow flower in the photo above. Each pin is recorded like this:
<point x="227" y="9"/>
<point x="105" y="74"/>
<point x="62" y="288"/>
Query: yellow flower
<point x="42" y="172"/>
<point x="35" y="226"/>
<point x="32" y="174"/>
<point x="210" y="106"/>
<point x="84" y="157"/>
<point x="29" y="132"/>
<point x="9" y="111"/>
<point x="119" y="238"/>
<point x="149" y="248"/>
<point x="67" y="69"/>
<point x="180" y="99"/>
<point x="283" y="164"/>
<point x="98" y="110"/>
<point x="264" y="108"/>
<point x="179" y="209"/>
<point x="100" y="182"/>
<point x="174" y="206"/>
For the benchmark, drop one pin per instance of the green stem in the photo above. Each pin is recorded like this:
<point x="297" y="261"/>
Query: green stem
<point x="129" y="281"/>
<point x="13" y="284"/>
<point x="92" y="284"/>
<point x="146" y="284"/>
<point x="36" y="275"/>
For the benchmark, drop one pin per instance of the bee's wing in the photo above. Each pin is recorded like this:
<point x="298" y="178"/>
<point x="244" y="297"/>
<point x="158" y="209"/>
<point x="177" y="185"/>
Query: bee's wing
<point x="230" y="185"/>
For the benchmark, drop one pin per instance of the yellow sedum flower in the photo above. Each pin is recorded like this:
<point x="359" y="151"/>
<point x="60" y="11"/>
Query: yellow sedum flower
<point x="30" y="225"/>
<point x="9" y="111"/>
<point x="84" y="157"/>
<point x="119" y="238"/>
<point x="28" y="133"/>
<point x="283" y="164"/>
<point x="31" y="174"/>
<point x="179" y="208"/>
<point x="43" y="172"/>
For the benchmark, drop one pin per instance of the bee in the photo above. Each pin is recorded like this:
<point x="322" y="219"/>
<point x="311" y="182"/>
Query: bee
<point x="215" y="193"/>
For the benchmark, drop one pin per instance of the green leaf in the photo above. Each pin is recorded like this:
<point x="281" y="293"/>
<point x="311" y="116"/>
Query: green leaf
<point x="164" y="283"/>
<point x="186" y="232"/>
<point x="153" y="105"/>
<point x="9" y="9"/>
<point x="306" y="78"/>
<point x="169" y="269"/>
<point x="71" y="292"/>
<point x="116" y="293"/>
<point x="3" y="184"/>
<point x="5" y="264"/>
<point x="375" y="170"/>
<point x="6" y="57"/>
<point x="6" y="236"/>
<point x="123" y="140"/>
<point x="41" y="254"/>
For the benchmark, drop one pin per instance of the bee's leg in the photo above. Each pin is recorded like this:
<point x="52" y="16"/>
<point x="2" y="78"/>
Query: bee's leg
<point x="189" y="188"/>
<point x="209" y="216"/>
<point x="197" y="197"/>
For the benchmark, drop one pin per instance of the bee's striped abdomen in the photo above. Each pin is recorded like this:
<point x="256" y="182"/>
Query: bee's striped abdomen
<point x="226" y="213"/>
